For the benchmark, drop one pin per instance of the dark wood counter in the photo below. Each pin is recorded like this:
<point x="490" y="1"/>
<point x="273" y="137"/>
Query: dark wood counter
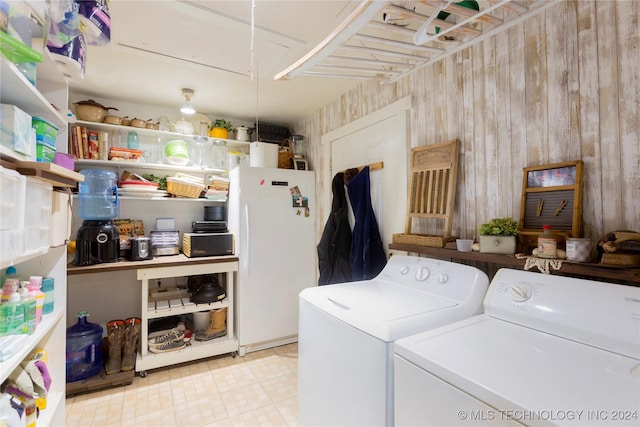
<point x="491" y="263"/>
<point x="161" y="261"/>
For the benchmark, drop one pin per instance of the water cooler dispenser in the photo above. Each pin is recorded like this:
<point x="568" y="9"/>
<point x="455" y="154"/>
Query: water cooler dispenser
<point x="98" y="239"/>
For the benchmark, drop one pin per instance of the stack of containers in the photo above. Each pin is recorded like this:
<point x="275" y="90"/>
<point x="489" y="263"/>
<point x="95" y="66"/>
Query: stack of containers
<point x="12" y="212"/>
<point x="37" y="214"/>
<point x="46" y="134"/>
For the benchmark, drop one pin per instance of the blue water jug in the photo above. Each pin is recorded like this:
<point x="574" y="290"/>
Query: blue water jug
<point x="98" y="194"/>
<point x="84" y="349"/>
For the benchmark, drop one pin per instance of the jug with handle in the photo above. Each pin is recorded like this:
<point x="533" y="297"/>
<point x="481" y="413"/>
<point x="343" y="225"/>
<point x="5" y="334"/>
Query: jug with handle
<point x="98" y="194"/>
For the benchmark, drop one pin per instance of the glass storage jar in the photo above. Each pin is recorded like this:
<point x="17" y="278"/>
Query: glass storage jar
<point x="220" y="155"/>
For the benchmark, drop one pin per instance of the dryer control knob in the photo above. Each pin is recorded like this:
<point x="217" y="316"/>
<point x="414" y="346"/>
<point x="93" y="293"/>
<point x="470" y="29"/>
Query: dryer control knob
<point x="404" y="269"/>
<point x="422" y="274"/>
<point x="519" y="293"/>
<point x="443" y="278"/>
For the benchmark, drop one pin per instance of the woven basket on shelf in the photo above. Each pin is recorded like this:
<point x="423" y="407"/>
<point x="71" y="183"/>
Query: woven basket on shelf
<point x="183" y="188"/>
<point x="419" y="240"/>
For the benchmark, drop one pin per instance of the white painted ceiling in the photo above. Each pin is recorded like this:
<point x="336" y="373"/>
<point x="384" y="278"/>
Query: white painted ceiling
<point x="158" y="47"/>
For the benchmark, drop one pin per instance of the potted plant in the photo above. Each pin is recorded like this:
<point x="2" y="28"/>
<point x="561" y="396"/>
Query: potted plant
<point x="498" y="236"/>
<point x="220" y="129"/>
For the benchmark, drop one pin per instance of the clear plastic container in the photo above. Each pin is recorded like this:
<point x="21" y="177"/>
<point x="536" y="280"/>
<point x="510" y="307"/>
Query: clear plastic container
<point x="98" y="194"/>
<point x="220" y="155"/>
<point x="84" y="349"/>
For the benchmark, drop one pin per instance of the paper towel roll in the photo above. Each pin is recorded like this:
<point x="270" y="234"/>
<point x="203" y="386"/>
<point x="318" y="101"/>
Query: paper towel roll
<point x="95" y="22"/>
<point x="71" y="57"/>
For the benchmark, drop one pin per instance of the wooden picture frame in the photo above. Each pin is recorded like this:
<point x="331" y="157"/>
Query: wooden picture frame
<point x="551" y="194"/>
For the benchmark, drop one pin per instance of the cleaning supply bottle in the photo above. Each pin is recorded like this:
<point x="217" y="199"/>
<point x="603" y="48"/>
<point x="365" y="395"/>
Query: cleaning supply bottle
<point x="547" y="243"/>
<point x="29" y="308"/>
<point x="10" y="286"/>
<point x="9" y="275"/>
<point x="34" y="285"/>
<point x="12" y="316"/>
<point x="49" y="294"/>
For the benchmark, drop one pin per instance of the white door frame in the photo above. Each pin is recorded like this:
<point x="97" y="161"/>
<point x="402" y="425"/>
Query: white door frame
<point x="401" y="108"/>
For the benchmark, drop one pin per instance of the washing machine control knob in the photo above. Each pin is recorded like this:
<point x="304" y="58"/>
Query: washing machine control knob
<point x="443" y="278"/>
<point x="404" y="269"/>
<point x="422" y="274"/>
<point x="519" y="293"/>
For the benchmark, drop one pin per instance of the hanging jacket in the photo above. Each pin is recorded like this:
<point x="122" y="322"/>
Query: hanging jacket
<point x="335" y="243"/>
<point x="367" y="253"/>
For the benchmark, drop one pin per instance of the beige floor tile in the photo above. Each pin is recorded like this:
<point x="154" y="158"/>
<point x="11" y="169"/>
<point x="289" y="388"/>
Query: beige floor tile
<point x="265" y="416"/>
<point x="244" y="399"/>
<point x="258" y="389"/>
<point x="269" y="366"/>
<point x="289" y="410"/>
<point x="232" y="377"/>
<point x="281" y="388"/>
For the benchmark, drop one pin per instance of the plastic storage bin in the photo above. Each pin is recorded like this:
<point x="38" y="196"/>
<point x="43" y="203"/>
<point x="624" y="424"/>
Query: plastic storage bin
<point x="37" y="218"/>
<point x="12" y="212"/>
<point x="46" y="132"/>
<point x="48" y="287"/>
<point x="15" y="130"/>
<point x="84" y="349"/>
<point x="44" y="153"/>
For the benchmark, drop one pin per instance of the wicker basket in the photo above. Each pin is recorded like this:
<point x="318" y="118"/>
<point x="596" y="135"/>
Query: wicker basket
<point x="285" y="154"/>
<point x="183" y="188"/>
<point x="419" y="240"/>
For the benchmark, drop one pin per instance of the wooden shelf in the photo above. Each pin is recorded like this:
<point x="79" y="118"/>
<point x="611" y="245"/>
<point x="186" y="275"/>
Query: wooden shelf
<point x="231" y="143"/>
<point x="50" y="172"/>
<point x="490" y="263"/>
<point x="161" y="261"/>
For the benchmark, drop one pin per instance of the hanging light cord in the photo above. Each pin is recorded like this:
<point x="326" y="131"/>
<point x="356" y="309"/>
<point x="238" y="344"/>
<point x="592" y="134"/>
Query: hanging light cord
<point x="254" y="66"/>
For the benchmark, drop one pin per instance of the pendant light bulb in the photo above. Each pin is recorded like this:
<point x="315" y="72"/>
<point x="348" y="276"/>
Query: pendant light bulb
<point x="187" y="108"/>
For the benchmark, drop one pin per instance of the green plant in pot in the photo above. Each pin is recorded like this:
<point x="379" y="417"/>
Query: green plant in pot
<point x="498" y="236"/>
<point x="220" y="129"/>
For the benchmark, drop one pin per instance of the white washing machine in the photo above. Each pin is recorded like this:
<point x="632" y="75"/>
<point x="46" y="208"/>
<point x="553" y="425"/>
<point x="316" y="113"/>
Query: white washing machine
<point x="548" y="350"/>
<point x="346" y="335"/>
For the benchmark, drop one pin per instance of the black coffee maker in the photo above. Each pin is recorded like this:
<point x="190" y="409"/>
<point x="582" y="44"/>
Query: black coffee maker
<point x="97" y="241"/>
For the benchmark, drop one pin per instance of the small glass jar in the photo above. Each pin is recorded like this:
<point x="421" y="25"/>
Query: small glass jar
<point x="219" y="155"/>
<point x="200" y="152"/>
<point x="547" y="243"/>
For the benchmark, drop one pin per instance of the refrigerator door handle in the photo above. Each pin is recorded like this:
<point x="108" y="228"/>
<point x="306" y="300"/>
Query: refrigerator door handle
<point x="247" y="253"/>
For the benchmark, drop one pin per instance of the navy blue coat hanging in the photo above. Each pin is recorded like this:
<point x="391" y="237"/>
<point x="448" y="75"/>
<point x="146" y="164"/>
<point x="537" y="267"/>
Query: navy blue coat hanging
<point x="335" y="244"/>
<point x="367" y="253"/>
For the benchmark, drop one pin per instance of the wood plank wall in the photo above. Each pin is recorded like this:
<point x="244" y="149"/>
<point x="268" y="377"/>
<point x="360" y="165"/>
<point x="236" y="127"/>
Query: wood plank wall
<point x="564" y="85"/>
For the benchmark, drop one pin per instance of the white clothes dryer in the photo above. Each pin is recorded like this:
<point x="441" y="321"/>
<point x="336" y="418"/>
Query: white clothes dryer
<point x="548" y="350"/>
<point x="347" y="331"/>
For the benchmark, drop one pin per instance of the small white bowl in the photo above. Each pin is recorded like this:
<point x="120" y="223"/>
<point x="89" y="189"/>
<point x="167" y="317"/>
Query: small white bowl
<point x="464" y="245"/>
<point x="178" y="161"/>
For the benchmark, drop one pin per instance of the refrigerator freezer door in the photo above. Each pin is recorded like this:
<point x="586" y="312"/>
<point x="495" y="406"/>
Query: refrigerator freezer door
<point x="275" y="243"/>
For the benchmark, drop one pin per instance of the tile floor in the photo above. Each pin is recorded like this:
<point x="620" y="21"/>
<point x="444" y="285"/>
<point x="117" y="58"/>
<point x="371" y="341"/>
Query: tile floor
<point x="259" y="389"/>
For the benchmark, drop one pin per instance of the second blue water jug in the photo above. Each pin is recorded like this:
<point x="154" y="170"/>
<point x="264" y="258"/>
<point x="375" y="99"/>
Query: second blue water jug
<point x="84" y="349"/>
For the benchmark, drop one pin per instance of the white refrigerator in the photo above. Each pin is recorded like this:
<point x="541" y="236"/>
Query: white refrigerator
<point x="272" y="216"/>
